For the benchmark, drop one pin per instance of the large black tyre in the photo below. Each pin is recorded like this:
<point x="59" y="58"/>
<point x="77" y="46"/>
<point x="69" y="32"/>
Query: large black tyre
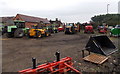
<point x="19" y="33"/>
<point x="4" y="30"/>
<point x="56" y="31"/>
<point x="110" y="34"/>
<point x="85" y="32"/>
<point x="46" y="34"/>
<point x="73" y="30"/>
<point x="9" y="35"/>
<point x="38" y="34"/>
<point x="92" y="32"/>
<point x="28" y="35"/>
<point x="67" y="32"/>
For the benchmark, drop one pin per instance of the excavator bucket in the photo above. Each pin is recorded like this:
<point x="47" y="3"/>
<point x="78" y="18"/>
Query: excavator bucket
<point x="101" y="45"/>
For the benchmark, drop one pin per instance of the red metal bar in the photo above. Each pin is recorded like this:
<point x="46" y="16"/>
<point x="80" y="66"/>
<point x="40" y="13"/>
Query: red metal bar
<point x="72" y="68"/>
<point x="53" y="67"/>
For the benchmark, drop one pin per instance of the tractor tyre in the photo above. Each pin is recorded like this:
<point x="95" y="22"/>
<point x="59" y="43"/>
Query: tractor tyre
<point x="85" y="32"/>
<point x="73" y="30"/>
<point x="9" y="35"/>
<point x="46" y="34"/>
<point x="92" y="32"/>
<point x="66" y="32"/>
<point x="38" y="34"/>
<point x="19" y="33"/>
<point x="4" y="30"/>
<point x="110" y="34"/>
<point x="56" y="31"/>
<point x="28" y="35"/>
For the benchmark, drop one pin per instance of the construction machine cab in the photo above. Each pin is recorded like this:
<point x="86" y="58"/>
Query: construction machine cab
<point x="70" y="24"/>
<point x="71" y="28"/>
<point x="35" y="27"/>
<point x="19" y="24"/>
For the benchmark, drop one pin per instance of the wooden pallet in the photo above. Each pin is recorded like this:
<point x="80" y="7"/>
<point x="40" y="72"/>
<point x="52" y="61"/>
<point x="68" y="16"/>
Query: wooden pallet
<point x="95" y="58"/>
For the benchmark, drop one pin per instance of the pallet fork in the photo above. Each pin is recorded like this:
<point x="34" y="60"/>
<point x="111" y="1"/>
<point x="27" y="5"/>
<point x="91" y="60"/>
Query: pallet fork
<point x="59" y="66"/>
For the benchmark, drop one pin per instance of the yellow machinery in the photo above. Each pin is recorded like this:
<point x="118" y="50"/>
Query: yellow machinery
<point x="38" y="32"/>
<point x="71" y="28"/>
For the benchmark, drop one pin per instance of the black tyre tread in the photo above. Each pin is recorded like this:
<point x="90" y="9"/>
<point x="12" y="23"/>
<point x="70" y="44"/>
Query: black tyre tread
<point x="46" y="34"/>
<point x="9" y="35"/>
<point x="37" y="34"/>
<point x="16" y="33"/>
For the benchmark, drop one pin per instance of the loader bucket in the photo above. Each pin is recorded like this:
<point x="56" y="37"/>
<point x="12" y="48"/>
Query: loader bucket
<point x="101" y="45"/>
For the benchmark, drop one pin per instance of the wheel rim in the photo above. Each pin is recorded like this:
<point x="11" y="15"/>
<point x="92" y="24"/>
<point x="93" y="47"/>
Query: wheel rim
<point x="47" y="34"/>
<point x="39" y="36"/>
<point x="20" y="34"/>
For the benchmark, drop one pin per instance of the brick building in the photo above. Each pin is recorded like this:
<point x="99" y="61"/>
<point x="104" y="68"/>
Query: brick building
<point x="30" y="20"/>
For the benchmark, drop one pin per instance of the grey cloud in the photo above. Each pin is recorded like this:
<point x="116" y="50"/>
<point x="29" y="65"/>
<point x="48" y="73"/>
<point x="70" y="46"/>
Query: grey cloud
<point x="80" y="12"/>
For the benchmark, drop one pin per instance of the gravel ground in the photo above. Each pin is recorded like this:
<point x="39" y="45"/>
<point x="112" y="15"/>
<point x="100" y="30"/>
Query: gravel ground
<point x="17" y="52"/>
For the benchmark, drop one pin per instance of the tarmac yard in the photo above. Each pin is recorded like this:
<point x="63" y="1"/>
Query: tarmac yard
<point x="17" y="53"/>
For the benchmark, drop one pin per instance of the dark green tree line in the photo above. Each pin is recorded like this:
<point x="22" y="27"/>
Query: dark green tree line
<point x="109" y="19"/>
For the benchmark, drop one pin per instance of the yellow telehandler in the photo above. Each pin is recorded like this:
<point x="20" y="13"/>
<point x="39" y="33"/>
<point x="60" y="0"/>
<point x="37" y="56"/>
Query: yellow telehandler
<point x="38" y="32"/>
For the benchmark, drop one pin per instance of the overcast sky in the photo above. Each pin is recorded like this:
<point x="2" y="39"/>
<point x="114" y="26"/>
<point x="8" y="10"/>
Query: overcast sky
<point x="66" y="10"/>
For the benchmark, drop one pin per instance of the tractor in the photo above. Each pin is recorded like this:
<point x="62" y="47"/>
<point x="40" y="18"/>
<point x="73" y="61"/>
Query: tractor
<point x="61" y="29"/>
<point x="115" y="31"/>
<point x="52" y="28"/>
<point x="102" y="29"/>
<point x="37" y="32"/>
<point x="71" y="28"/>
<point x="88" y="29"/>
<point x="18" y="30"/>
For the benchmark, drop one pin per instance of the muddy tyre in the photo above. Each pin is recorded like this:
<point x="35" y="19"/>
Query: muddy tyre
<point x="19" y="33"/>
<point x="9" y="35"/>
<point x="28" y="35"/>
<point x="73" y="30"/>
<point x="110" y="34"/>
<point x="92" y="32"/>
<point x="4" y="30"/>
<point x="47" y="34"/>
<point x="66" y="32"/>
<point x="38" y="34"/>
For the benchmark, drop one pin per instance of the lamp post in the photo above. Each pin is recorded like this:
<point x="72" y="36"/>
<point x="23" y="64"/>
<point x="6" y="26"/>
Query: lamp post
<point x="107" y="8"/>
